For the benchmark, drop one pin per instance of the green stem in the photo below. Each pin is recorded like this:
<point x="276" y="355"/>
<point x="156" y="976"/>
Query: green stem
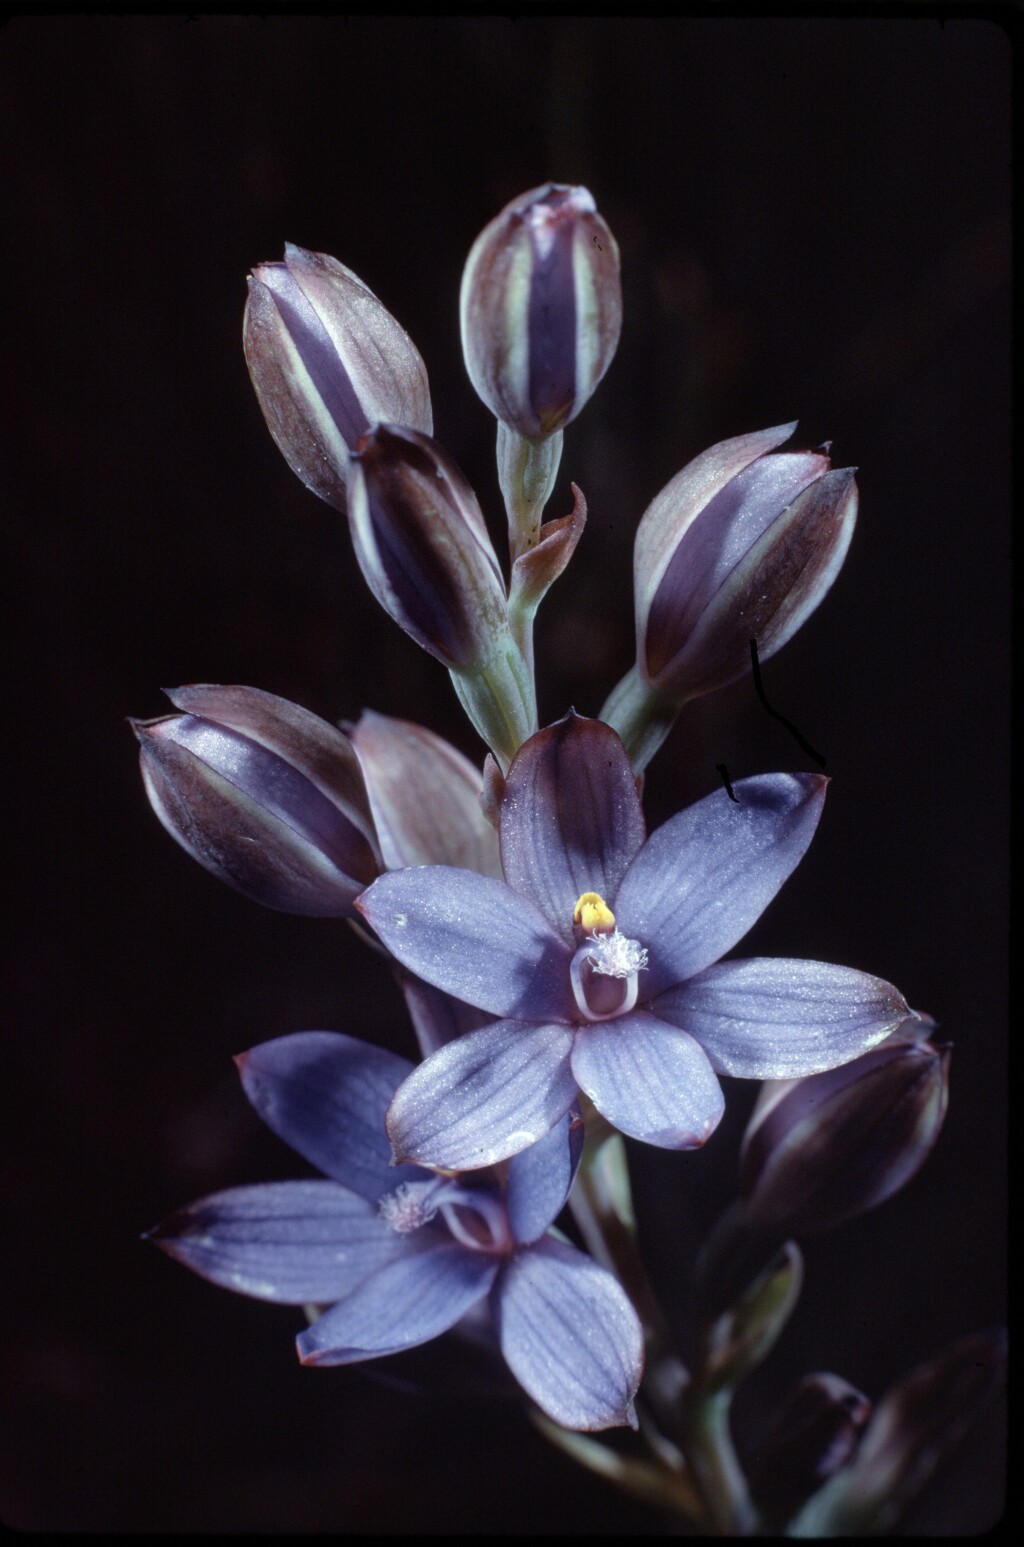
<point x="642" y="717"/>
<point x="500" y="700"/>
<point x="715" y="1466"/>
<point x="527" y="470"/>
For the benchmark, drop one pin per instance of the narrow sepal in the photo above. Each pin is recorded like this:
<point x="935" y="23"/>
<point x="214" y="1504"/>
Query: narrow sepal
<point x="571" y="820"/>
<point x="408" y="1301"/>
<point x="771" y="1018"/>
<point x="325" y="1094"/>
<point x="707" y="875"/>
<point x="296" y="1243"/>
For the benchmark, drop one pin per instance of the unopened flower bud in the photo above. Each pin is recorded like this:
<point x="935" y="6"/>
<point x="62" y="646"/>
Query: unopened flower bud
<point x="814" y="1433"/>
<point x="327" y="361"/>
<point x="423" y="546"/>
<point x="541" y="308"/>
<point x="740" y="545"/>
<point x="912" y="1431"/>
<point x="265" y="795"/>
<point x="825" y="1148"/>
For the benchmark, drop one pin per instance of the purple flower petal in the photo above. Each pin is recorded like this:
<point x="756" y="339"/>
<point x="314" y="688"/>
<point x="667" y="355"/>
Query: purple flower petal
<point x="297" y="1243"/>
<point x="570" y="1336"/>
<point x="650" y="1080"/>
<point x="326" y="1094"/>
<point x="472" y="937"/>
<point x="540" y="1178"/>
<point x="771" y="1018"/>
<point x="485" y="1097"/>
<point x="570" y="818"/>
<point x="703" y="879"/>
<point x="409" y="1301"/>
<point x="425" y="798"/>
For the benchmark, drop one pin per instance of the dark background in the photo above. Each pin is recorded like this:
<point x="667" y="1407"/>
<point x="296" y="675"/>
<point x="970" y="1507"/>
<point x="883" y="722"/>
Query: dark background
<point x="814" y="221"/>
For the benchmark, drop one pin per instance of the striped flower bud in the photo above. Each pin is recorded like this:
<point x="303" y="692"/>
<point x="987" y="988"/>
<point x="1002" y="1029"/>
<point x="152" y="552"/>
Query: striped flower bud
<point x="265" y="795"/>
<point x="327" y="361"/>
<point x="823" y="1149"/>
<point x="423" y="546"/>
<point x="541" y="308"/>
<point x="740" y="545"/>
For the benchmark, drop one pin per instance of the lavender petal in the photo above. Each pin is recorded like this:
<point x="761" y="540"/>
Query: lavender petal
<point x="539" y="1179"/>
<point x="292" y="1242"/>
<point x="473" y="937"/>
<point x="485" y="1097"/>
<point x="650" y="1080"/>
<point x="772" y="1018"/>
<point x="707" y="875"/>
<point x="326" y="1094"/>
<point x="570" y="818"/>
<point x="408" y="1301"/>
<point x="570" y="1336"/>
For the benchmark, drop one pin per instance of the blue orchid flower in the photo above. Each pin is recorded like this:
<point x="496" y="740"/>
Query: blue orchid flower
<point x="398" y="1255"/>
<point x="600" y="954"/>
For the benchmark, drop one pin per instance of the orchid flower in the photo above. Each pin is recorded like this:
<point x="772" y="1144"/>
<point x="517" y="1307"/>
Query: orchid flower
<point x="600" y="952"/>
<point x="399" y="1255"/>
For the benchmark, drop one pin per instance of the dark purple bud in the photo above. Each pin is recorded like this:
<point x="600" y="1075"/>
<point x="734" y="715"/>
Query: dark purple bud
<point x="828" y="1147"/>
<point x="914" y="1428"/>
<point x="814" y="1433"/>
<point x="327" y="361"/>
<point x="423" y="546"/>
<point x="541" y="308"/>
<point x="742" y="544"/>
<point x="265" y="795"/>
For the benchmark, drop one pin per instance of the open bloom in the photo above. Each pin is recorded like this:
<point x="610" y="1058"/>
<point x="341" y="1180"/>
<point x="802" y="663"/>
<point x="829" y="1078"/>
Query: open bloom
<point x="399" y="1255"/>
<point x="599" y="954"/>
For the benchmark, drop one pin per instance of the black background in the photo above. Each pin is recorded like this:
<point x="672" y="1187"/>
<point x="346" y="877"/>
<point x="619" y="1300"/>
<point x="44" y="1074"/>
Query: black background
<point x="813" y="215"/>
